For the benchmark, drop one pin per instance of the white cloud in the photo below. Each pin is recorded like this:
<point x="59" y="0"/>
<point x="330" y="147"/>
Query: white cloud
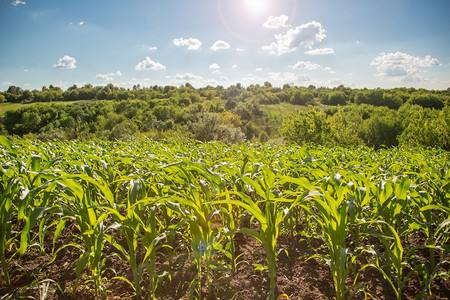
<point x="195" y="80"/>
<point x="330" y="70"/>
<point x="214" y="66"/>
<point x="149" y="64"/>
<point x="402" y="66"/>
<point x="279" y="79"/>
<point x="192" y="44"/>
<point x="258" y="70"/>
<point x="188" y="76"/>
<point x="220" y="45"/>
<point x="7" y="83"/>
<point x="250" y="79"/>
<point x="109" y="76"/>
<point x="150" y="48"/>
<point x="276" y="22"/>
<point x="81" y="23"/>
<point x="320" y="51"/>
<point x="304" y="36"/>
<point x="234" y="66"/>
<point x="103" y="77"/>
<point x="276" y="78"/>
<point x="216" y="72"/>
<point x="17" y="2"/>
<point x="66" y="62"/>
<point x="307" y="65"/>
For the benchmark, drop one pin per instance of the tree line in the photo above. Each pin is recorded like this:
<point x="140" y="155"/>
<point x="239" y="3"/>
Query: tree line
<point x="339" y="116"/>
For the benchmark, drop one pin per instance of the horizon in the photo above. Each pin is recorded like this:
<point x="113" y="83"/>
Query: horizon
<point x="358" y="44"/>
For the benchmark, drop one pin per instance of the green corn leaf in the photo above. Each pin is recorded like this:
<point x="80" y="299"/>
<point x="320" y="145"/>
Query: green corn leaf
<point x="125" y="280"/>
<point x="255" y="185"/>
<point x="252" y="233"/>
<point x="302" y="182"/>
<point x="61" y="225"/>
<point x="5" y="142"/>
<point x="82" y="263"/>
<point x="36" y="214"/>
<point x="402" y="188"/>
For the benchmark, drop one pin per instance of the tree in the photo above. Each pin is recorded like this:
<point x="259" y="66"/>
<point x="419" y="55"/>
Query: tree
<point x="382" y="130"/>
<point x="210" y="127"/>
<point x="334" y="98"/>
<point x="392" y="100"/>
<point x="309" y="126"/>
<point x="425" y="127"/>
<point x="372" y="97"/>
<point x="210" y="94"/>
<point x="427" y="101"/>
<point x="301" y="98"/>
<point x="14" y="90"/>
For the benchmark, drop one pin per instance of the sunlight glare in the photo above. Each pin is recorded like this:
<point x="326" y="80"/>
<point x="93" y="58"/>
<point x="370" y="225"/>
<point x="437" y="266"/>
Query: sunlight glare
<point x="256" y="6"/>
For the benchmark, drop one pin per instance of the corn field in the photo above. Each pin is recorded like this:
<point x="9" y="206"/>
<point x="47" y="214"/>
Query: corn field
<point x="191" y="220"/>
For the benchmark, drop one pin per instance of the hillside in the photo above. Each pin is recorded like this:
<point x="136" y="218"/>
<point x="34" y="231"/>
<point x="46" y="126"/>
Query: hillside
<point x="338" y="116"/>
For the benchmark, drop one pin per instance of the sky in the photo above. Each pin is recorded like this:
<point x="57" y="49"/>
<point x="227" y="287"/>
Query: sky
<point x="356" y="43"/>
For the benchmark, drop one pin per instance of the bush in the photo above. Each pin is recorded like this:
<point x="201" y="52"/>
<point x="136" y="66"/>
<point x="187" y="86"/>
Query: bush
<point x="309" y="126"/>
<point x="427" y="101"/>
<point x="123" y="131"/>
<point x="427" y="128"/>
<point x="334" y="98"/>
<point x="382" y="130"/>
<point x="301" y="98"/>
<point x="211" y="128"/>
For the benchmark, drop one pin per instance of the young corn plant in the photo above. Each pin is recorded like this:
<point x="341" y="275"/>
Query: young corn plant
<point x="192" y="202"/>
<point x="140" y="224"/>
<point x="437" y="239"/>
<point x="232" y="215"/>
<point x="83" y="205"/>
<point x="442" y="238"/>
<point x="332" y="217"/>
<point x="396" y="266"/>
<point x="271" y="216"/>
<point x="11" y="190"/>
<point x="130" y="227"/>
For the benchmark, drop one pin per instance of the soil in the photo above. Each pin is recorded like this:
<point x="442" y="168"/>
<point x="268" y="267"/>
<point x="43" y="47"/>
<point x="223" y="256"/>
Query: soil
<point x="297" y="276"/>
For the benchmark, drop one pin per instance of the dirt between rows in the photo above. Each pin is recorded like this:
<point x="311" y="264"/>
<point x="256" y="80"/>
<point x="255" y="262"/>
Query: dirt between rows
<point x="297" y="276"/>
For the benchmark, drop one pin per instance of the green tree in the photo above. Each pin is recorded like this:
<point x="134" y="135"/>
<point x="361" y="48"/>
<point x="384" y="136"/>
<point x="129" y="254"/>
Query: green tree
<point x="309" y="126"/>
<point x="426" y="127"/>
<point x="301" y="98"/>
<point x="427" y="101"/>
<point x="382" y="130"/>
<point x="334" y="98"/>
<point x="210" y="127"/>
<point x="345" y="127"/>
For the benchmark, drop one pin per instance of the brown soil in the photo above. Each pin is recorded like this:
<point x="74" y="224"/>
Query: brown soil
<point x="297" y="276"/>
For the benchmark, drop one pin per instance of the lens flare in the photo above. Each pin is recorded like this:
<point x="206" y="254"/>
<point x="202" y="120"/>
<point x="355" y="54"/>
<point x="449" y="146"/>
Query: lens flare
<point x="244" y="18"/>
<point x="256" y="6"/>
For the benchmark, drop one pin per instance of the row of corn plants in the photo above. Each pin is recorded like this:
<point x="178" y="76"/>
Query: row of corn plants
<point x="152" y="201"/>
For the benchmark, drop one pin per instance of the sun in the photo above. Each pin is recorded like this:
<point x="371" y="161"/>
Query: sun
<point x="256" y="6"/>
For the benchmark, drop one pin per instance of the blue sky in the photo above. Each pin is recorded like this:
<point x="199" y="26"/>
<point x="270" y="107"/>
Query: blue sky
<point x="357" y="43"/>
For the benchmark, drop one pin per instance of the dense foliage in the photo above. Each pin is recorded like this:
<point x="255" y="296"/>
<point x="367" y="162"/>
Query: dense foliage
<point x="338" y="116"/>
<point x="385" y="211"/>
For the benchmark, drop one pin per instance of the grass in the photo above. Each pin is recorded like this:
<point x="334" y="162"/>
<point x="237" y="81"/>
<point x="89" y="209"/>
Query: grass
<point x="275" y="115"/>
